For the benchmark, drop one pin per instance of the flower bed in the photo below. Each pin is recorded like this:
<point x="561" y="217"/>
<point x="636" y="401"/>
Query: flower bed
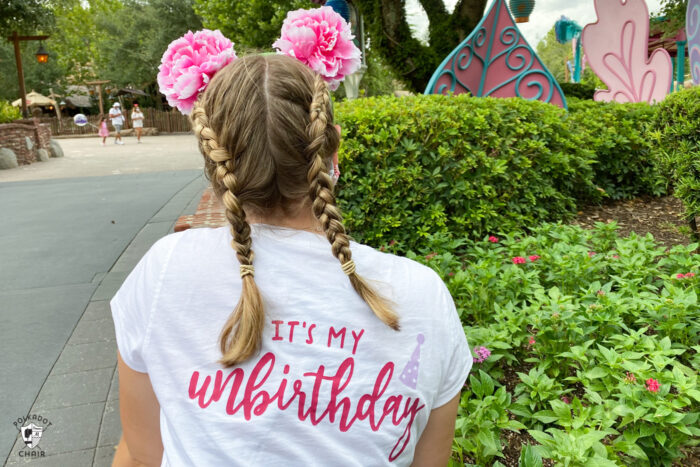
<point x="585" y="343"/>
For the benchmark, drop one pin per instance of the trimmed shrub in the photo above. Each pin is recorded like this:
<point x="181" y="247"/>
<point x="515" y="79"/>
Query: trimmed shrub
<point x="626" y="160"/>
<point x="457" y="165"/>
<point x="8" y="113"/>
<point x="677" y="132"/>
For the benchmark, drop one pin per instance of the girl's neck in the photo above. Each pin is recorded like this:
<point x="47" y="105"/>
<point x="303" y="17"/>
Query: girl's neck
<point x="301" y="218"/>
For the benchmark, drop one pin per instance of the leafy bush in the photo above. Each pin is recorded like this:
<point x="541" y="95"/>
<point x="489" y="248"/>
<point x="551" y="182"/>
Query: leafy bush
<point x="626" y="157"/>
<point x="8" y="113"/>
<point x="677" y="132"/>
<point x="593" y="342"/>
<point x="457" y="165"/>
<point x="578" y="90"/>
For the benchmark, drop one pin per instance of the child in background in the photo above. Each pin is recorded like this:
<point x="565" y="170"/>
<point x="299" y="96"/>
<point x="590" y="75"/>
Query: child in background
<point x="104" y="131"/>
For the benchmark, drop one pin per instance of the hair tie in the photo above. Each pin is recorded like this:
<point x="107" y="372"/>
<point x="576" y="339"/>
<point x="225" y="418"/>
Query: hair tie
<point x="247" y="270"/>
<point x="349" y="267"/>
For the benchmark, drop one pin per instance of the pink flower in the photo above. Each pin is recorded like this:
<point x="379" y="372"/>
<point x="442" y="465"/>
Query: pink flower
<point x="321" y="39"/>
<point x="652" y="385"/>
<point x="533" y="258"/>
<point x="591" y="254"/>
<point x="430" y="256"/>
<point x="615" y="257"/>
<point x="518" y="260"/>
<point x="392" y="243"/>
<point x="690" y="275"/>
<point x="630" y="378"/>
<point x="189" y="64"/>
<point x="680" y="276"/>
<point x="450" y="274"/>
<point x="565" y="400"/>
<point x="531" y="340"/>
<point x="482" y="353"/>
<point x="493" y="239"/>
<point x="601" y="293"/>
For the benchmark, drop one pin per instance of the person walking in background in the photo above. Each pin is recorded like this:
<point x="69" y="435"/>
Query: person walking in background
<point x="115" y="114"/>
<point x="137" y="121"/>
<point x="104" y="131"/>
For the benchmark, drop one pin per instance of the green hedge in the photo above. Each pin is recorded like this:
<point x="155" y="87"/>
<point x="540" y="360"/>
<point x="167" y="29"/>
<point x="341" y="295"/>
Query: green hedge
<point x="626" y="161"/>
<point x="677" y="133"/>
<point x="8" y="113"/>
<point x="578" y="90"/>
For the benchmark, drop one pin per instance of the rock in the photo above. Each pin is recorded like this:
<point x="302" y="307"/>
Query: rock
<point x="8" y="159"/>
<point x="28" y="141"/>
<point x="55" y="149"/>
<point x="42" y="155"/>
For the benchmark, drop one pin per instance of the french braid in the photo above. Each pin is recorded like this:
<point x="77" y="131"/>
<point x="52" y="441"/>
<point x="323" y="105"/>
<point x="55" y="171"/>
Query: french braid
<point x="241" y="335"/>
<point x="323" y="203"/>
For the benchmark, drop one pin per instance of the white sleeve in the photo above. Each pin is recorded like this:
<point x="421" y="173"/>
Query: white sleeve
<point x="458" y="358"/>
<point x="133" y="304"/>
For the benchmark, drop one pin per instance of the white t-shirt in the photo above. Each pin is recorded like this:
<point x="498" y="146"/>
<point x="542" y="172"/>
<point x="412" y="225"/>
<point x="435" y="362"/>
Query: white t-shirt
<point x="331" y="385"/>
<point x="116" y="120"/>
<point x="134" y="116"/>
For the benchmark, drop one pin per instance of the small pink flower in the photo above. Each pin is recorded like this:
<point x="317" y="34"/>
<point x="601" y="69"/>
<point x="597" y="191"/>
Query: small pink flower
<point x="601" y="293"/>
<point x="321" y="39"/>
<point x="430" y="256"/>
<point x="450" y="274"/>
<point x="652" y="385"/>
<point x="531" y="340"/>
<point x="533" y="258"/>
<point x="591" y="254"/>
<point x="482" y="353"/>
<point x="392" y="243"/>
<point x="188" y="65"/>
<point x="690" y="275"/>
<point x="615" y="257"/>
<point x="493" y="239"/>
<point x="565" y="400"/>
<point x="680" y="276"/>
<point x="630" y="378"/>
<point x="519" y="260"/>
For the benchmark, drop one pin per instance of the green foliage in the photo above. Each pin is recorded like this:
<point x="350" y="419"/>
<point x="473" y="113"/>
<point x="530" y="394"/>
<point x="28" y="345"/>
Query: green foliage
<point x="554" y="55"/>
<point x="251" y="24"/>
<point x="585" y="322"/>
<point x="677" y="132"/>
<point x="24" y="16"/>
<point x="626" y="164"/>
<point x="8" y="113"/>
<point x="578" y="90"/>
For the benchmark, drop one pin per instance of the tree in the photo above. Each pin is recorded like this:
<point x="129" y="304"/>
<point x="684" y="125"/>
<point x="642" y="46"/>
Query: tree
<point x="391" y="35"/>
<point x="256" y="24"/>
<point x="554" y="55"/>
<point x="674" y="11"/>
<point x="24" y="16"/>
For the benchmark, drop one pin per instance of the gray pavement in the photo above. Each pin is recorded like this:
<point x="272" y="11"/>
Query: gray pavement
<point x="66" y="245"/>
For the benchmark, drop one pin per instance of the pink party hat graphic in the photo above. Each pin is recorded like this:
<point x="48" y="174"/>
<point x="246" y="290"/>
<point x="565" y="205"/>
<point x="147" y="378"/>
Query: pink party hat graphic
<point x="409" y="375"/>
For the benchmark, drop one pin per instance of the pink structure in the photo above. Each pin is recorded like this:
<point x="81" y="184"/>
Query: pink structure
<point x="495" y="60"/>
<point x="617" y="50"/>
<point x="692" y="29"/>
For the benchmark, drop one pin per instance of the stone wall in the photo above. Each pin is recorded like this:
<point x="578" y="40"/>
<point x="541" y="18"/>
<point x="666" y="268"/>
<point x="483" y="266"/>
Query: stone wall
<point x="25" y="137"/>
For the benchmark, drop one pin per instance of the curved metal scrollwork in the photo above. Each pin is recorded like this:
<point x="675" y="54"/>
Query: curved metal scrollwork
<point x="496" y="61"/>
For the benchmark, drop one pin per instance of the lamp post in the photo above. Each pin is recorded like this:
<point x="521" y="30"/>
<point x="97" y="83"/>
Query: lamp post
<point x="41" y="55"/>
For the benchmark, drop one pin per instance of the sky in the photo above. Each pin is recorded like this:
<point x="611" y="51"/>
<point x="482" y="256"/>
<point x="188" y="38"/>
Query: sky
<point x="546" y="13"/>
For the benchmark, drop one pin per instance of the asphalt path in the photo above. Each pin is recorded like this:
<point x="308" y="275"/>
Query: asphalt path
<point x="59" y="237"/>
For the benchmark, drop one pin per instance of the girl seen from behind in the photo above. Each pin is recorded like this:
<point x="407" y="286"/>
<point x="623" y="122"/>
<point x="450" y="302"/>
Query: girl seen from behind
<point x="278" y="340"/>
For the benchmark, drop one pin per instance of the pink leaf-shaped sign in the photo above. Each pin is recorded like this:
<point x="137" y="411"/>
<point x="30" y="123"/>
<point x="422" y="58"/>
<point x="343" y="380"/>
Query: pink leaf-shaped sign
<point x="617" y="48"/>
<point x="692" y="30"/>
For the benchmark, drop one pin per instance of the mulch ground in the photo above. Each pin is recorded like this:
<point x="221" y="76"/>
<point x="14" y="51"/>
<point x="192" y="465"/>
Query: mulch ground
<point x="662" y="217"/>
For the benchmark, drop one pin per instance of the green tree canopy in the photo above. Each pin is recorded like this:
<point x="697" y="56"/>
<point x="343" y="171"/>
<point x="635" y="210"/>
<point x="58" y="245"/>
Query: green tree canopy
<point x="25" y="16"/>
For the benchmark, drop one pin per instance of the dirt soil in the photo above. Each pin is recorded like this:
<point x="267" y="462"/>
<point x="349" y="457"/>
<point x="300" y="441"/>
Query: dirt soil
<point x="662" y="217"/>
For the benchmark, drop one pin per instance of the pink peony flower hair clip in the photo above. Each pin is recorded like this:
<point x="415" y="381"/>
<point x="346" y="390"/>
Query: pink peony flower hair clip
<point x="321" y="39"/>
<point x="188" y="65"/>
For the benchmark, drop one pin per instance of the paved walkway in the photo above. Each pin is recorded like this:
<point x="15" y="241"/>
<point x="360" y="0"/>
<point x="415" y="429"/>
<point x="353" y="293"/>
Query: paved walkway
<point x="66" y="245"/>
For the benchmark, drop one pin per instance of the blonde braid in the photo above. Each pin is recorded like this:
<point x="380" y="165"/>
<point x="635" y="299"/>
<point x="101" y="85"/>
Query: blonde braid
<point x="241" y="336"/>
<point x="324" y="208"/>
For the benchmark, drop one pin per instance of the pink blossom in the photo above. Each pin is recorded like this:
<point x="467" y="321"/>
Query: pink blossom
<point x="482" y="353"/>
<point x="531" y="340"/>
<point x="591" y="254"/>
<point x="493" y="239"/>
<point x="188" y="65"/>
<point x="615" y="257"/>
<point x="321" y="39"/>
<point x="690" y="275"/>
<point x="652" y="385"/>
<point x="601" y="293"/>
<point x="430" y="256"/>
<point x="630" y="378"/>
<point x="519" y="260"/>
<point x="533" y="258"/>
<point x="680" y="276"/>
<point x="565" y="400"/>
<point x="392" y="243"/>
